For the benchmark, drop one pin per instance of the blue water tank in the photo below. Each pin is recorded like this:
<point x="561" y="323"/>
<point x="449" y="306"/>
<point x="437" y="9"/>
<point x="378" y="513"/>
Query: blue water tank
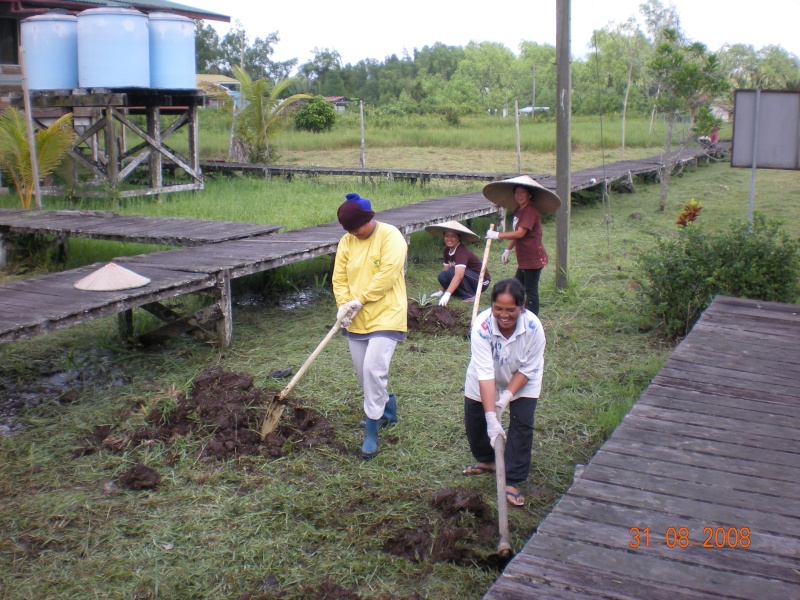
<point x="50" y="43"/>
<point x="113" y="48"/>
<point x="172" y="54"/>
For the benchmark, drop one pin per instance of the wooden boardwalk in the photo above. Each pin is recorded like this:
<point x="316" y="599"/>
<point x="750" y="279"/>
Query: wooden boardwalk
<point x="706" y="466"/>
<point x="229" y="250"/>
<point x="106" y="225"/>
<point x="37" y="306"/>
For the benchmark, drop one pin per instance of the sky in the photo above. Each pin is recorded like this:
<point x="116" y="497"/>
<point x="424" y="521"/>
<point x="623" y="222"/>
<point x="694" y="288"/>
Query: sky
<point x="360" y="29"/>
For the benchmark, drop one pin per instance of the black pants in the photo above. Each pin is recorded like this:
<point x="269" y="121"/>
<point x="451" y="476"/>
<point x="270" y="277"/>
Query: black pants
<point x="519" y="436"/>
<point x="529" y="278"/>
<point x="467" y="287"/>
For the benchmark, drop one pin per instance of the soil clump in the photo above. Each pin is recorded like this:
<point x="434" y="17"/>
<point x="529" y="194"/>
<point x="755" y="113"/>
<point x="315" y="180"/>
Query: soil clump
<point x="435" y="320"/>
<point x="227" y="408"/>
<point x="466" y="523"/>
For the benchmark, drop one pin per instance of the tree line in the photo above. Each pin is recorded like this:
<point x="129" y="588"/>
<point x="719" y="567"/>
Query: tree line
<point x="488" y="76"/>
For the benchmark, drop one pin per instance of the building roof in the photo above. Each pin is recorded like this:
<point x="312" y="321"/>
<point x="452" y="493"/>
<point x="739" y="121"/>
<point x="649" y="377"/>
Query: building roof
<point x="32" y="7"/>
<point x="213" y="78"/>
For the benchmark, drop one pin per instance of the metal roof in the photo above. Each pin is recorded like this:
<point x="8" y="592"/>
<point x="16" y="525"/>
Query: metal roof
<point x="31" y="7"/>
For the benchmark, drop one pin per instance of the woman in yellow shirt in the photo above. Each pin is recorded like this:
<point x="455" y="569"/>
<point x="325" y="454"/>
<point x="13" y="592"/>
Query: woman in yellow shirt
<point x="370" y="290"/>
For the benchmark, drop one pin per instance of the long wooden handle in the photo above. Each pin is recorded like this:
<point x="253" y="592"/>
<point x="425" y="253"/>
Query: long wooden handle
<point x="504" y="546"/>
<point x="301" y="371"/>
<point x="477" y="302"/>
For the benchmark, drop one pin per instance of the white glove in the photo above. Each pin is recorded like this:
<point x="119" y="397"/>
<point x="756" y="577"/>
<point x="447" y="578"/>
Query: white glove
<point x="352" y="308"/>
<point x="343" y="310"/>
<point x="502" y="401"/>
<point x="504" y="256"/>
<point x="437" y="294"/>
<point x="445" y="299"/>
<point x="493" y="427"/>
<point x="492" y="235"/>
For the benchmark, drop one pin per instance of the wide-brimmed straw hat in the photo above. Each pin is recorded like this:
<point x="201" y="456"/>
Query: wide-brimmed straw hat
<point x="466" y="234"/>
<point x="502" y="194"/>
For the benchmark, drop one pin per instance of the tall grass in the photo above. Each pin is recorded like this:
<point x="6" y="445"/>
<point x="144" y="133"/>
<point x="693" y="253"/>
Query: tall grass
<point x="480" y="133"/>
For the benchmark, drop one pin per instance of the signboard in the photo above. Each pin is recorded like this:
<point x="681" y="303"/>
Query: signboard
<point x="766" y="129"/>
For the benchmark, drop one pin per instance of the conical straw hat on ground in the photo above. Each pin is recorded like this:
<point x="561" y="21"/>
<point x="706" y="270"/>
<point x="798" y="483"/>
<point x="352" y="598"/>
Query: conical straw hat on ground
<point x="502" y="194"/>
<point x="465" y="233"/>
<point x="111" y="278"/>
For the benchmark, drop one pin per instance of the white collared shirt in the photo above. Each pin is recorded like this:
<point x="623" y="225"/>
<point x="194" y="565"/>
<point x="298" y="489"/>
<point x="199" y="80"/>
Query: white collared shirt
<point x="495" y="357"/>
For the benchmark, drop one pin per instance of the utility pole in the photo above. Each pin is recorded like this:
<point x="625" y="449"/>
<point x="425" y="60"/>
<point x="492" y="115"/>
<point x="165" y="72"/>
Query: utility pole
<point x="563" y="139"/>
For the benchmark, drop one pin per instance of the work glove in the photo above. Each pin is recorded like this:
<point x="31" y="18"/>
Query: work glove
<point x="437" y="294"/>
<point x="492" y="235"/>
<point x="504" y="256"/>
<point x="352" y="308"/>
<point x="341" y="312"/>
<point x="444" y="299"/>
<point x="502" y="402"/>
<point x="493" y="427"/>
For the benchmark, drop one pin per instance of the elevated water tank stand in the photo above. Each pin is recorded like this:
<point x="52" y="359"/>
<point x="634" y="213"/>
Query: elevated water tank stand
<point x="101" y="143"/>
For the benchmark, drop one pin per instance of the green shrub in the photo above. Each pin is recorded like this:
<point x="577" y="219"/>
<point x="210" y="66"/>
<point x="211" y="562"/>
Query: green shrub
<point x="683" y="274"/>
<point x="316" y="115"/>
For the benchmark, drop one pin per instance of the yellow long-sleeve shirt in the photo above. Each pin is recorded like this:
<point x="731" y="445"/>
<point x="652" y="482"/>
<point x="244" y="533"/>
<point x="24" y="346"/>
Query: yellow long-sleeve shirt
<point x="372" y="272"/>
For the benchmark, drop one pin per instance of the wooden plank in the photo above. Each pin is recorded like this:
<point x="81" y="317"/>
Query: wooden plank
<point x="706" y="552"/>
<point x="757" y="432"/>
<point x="765" y="547"/>
<point x="737" y="464"/>
<point x="768" y="397"/>
<point x="720" y="494"/>
<point x="634" y="430"/>
<point x="733" y="400"/>
<point x="679" y="575"/>
<point x="729" y="516"/>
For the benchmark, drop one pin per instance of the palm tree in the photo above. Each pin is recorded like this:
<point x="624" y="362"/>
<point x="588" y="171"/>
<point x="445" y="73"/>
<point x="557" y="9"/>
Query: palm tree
<point x="262" y="110"/>
<point x="52" y="144"/>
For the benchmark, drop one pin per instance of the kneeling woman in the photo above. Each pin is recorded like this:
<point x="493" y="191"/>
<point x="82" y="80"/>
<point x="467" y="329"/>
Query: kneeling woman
<point x="505" y="371"/>
<point x="460" y="266"/>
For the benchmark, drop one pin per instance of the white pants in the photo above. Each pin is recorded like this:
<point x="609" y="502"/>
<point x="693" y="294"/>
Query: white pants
<point x="371" y="359"/>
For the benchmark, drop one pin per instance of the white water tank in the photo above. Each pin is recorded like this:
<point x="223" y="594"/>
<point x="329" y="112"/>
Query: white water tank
<point x="172" y="53"/>
<point x="113" y="48"/>
<point x="50" y="44"/>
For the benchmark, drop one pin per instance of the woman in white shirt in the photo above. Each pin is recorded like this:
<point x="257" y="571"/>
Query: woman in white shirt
<point x="505" y="371"/>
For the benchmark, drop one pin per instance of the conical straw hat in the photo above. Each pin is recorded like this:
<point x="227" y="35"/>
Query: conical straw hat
<point x="502" y="194"/>
<point x="110" y="278"/>
<point x="465" y="233"/>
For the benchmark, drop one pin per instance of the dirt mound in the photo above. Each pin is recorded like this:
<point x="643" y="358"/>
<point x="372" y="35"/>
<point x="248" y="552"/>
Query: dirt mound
<point x="466" y="523"/>
<point x="140" y="477"/>
<point x="228" y="408"/>
<point x="435" y="320"/>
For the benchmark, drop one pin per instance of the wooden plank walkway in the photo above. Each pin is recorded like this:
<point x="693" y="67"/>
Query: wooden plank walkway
<point x="706" y="462"/>
<point x="36" y="306"/>
<point x="581" y="180"/>
<point x="31" y="308"/>
<point x="106" y="225"/>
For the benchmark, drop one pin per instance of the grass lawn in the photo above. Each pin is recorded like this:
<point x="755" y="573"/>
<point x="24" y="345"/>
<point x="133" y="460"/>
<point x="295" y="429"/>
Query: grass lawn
<point x="318" y="519"/>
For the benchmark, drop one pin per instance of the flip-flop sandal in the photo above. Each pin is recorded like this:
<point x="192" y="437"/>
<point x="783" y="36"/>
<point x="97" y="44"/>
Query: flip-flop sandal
<point x="515" y="499"/>
<point x="476" y="470"/>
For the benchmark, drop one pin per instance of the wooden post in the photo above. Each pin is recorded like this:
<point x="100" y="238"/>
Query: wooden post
<point x="194" y="136"/>
<point x="112" y="165"/>
<point x="154" y="131"/>
<point x="516" y="123"/>
<point x="225" y="323"/>
<point x="363" y="146"/>
<point x="533" y="94"/>
<point x="563" y="140"/>
<point x="3" y="252"/>
<point x="37" y="192"/>
<point x="125" y="325"/>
